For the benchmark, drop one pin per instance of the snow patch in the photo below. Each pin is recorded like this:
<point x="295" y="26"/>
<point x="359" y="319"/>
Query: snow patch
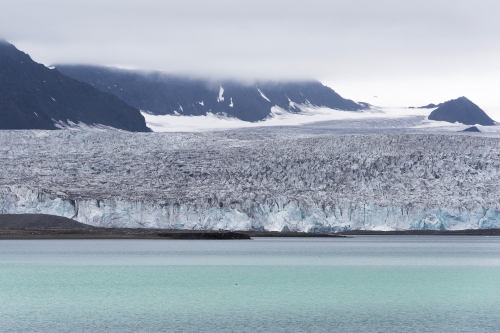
<point x="231" y="104"/>
<point x="262" y="95"/>
<point x="221" y="95"/>
<point x="69" y="125"/>
<point x="174" y="123"/>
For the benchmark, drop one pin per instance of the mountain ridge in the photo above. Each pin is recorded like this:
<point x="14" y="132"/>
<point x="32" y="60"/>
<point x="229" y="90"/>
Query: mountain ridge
<point x="162" y="94"/>
<point x="33" y="96"/>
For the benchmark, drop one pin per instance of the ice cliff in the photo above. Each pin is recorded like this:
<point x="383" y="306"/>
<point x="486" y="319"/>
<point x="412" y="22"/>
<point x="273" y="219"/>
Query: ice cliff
<point x="253" y="180"/>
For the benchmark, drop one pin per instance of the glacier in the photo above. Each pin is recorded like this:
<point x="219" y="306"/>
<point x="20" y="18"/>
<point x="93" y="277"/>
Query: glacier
<point x="254" y="180"/>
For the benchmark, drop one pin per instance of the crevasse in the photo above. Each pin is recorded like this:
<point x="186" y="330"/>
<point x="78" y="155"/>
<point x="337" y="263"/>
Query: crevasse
<point x="260" y="179"/>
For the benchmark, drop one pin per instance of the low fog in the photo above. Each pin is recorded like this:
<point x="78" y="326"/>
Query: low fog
<point x="387" y="52"/>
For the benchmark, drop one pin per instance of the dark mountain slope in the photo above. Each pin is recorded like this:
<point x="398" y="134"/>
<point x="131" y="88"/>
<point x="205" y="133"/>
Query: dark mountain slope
<point x="162" y="94"/>
<point x="463" y="111"/>
<point x="472" y="129"/>
<point x="35" y="97"/>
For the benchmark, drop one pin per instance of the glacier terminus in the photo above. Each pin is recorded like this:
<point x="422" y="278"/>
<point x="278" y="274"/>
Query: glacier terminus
<point x="254" y="179"/>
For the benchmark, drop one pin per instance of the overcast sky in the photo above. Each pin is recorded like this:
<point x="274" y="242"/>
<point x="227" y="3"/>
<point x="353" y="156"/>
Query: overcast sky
<point x="405" y="52"/>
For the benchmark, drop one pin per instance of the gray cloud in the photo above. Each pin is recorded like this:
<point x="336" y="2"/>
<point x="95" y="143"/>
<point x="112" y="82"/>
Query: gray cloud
<point x="436" y="49"/>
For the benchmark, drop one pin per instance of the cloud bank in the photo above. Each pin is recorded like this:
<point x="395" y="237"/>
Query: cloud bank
<point x="391" y="49"/>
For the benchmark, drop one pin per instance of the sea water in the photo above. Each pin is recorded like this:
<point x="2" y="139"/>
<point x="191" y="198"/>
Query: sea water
<point x="360" y="284"/>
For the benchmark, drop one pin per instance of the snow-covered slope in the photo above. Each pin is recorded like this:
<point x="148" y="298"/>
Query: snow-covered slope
<point x="278" y="117"/>
<point x="253" y="179"/>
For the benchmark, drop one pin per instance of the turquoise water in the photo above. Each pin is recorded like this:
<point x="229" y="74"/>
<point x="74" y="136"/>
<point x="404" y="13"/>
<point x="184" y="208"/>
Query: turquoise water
<point x="362" y="284"/>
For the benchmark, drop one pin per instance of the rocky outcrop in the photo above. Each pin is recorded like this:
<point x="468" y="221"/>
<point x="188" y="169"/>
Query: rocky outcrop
<point x="27" y="221"/>
<point x="463" y="111"/>
<point x="472" y="129"/>
<point x="248" y="181"/>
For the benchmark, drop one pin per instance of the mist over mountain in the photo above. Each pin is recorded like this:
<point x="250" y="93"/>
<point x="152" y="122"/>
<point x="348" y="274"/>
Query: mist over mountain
<point x="163" y="94"/>
<point x="33" y="96"/>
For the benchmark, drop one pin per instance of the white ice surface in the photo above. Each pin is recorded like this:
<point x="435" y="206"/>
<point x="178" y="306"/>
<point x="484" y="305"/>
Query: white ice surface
<point x="308" y="114"/>
<point x="279" y="117"/>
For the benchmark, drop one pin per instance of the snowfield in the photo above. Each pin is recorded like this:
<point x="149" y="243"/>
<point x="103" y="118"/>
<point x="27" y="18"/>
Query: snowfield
<point x="279" y="117"/>
<point x="415" y="119"/>
<point x="284" y="178"/>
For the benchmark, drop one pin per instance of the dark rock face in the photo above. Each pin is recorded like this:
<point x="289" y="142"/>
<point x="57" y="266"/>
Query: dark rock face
<point x="162" y="94"/>
<point x="472" y="129"/>
<point x="463" y="111"/>
<point x="39" y="221"/>
<point x="35" y="97"/>
<point x="429" y="106"/>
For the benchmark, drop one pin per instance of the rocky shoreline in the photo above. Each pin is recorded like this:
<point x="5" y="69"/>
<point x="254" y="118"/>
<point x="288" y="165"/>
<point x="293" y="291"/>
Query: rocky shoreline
<point x="117" y="233"/>
<point x="468" y="232"/>
<point x="40" y="226"/>
<point x="7" y="233"/>
<point x="105" y="233"/>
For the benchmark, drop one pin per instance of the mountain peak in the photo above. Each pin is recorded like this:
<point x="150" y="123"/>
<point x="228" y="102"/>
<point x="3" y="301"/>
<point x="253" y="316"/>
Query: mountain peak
<point x="461" y="110"/>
